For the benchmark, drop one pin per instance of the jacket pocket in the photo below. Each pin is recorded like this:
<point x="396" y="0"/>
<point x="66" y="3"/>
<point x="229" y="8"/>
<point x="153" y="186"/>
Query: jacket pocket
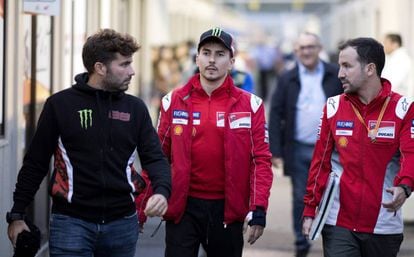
<point x="380" y="143"/>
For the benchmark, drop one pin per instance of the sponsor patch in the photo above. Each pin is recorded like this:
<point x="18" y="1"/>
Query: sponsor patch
<point x="220" y="119"/>
<point x="178" y="130"/>
<point x="240" y="120"/>
<point x="343" y="142"/>
<point x="180" y="117"/>
<point x="343" y="124"/>
<point x="122" y="116"/>
<point x="344" y="128"/>
<point x="412" y="128"/>
<point x="344" y="132"/>
<point x="386" y="129"/>
<point x="196" y="118"/>
<point x="85" y="117"/>
<point x="318" y="131"/>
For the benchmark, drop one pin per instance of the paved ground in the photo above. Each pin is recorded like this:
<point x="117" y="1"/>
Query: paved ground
<point x="277" y="241"/>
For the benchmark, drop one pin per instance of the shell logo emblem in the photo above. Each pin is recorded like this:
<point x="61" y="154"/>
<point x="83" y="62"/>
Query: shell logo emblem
<point x="178" y="130"/>
<point x="343" y="142"/>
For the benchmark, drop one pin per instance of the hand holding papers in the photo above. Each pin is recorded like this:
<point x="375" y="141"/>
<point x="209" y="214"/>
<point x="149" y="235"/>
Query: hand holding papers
<point x="324" y="206"/>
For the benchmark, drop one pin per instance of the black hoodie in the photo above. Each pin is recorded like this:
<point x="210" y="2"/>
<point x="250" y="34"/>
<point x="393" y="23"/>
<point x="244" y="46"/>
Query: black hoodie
<point x="94" y="136"/>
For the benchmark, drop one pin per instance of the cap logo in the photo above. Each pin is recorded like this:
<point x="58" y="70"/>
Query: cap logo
<point x="216" y="32"/>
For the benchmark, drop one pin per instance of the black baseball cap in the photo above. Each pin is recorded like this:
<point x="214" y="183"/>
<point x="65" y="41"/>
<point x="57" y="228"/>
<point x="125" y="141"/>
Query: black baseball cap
<point x="219" y="35"/>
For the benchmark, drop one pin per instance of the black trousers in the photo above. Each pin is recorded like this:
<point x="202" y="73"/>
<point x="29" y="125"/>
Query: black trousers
<point x="341" y="242"/>
<point x="203" y="223"/>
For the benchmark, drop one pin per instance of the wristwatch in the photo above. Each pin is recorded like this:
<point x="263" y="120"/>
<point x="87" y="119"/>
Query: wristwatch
<point x="12" y="216"/>
<point x="407" y="189"/>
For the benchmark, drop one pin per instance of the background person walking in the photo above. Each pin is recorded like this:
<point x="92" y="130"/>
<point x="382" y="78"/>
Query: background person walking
<point x="294" y="117"/>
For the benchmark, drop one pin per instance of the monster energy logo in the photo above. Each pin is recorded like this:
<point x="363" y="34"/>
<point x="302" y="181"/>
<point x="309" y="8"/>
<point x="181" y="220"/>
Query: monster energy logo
<point x="216" y="32"/>
<point x="85" y="116"/>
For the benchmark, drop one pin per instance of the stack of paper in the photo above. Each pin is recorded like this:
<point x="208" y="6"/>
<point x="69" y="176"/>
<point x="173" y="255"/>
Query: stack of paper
<point x="324" y="206"/>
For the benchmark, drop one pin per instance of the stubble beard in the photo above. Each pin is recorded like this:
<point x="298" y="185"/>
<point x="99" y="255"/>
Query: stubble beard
<point x="110" y="84"/>
<point x="213" y="78"/>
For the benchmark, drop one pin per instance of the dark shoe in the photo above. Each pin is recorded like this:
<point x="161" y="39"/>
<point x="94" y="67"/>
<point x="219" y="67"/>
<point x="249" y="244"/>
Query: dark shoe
<point x="302" y="252"/>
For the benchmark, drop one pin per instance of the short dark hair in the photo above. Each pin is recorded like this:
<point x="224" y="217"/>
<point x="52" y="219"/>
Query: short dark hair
<point x="369" y="51"/>
<point x="396" y="38"/>
<point x="104" y="44"/>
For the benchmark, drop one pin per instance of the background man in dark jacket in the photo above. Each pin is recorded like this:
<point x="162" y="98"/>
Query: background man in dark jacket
<point x="296" y="108"/>
<point x="94" y="130"/>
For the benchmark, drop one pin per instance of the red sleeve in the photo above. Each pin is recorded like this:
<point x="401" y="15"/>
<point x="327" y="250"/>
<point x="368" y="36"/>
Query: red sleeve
<point x="142" y="199"/>
<point x="406" y="173"/>
<point x="261" y="175"/>
<point x="320" y="167"/>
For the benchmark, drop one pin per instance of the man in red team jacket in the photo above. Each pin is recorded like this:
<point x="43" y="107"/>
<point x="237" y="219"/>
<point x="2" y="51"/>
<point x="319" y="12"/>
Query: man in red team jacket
<point x="215" y="137"/>
<point x="369" y="125"/>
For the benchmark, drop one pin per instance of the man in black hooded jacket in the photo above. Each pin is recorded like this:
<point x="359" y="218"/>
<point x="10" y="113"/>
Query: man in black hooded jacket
<point x="94" y="130"/>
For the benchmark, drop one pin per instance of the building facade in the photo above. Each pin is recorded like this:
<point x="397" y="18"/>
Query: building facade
<point x="40" y="55"/>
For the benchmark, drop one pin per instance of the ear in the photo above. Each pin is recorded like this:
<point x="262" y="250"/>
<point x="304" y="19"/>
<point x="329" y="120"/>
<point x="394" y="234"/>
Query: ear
<point x="100" y="68"/>
<point x="196" y="59"/>
<point x="197" y="62"/>
<point x="232" y="61"/>
<point x="371" y="69"/>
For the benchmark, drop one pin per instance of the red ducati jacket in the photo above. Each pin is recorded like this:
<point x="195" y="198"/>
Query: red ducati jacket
<point x="248" y="173"/>
<point x="365" y="168"/>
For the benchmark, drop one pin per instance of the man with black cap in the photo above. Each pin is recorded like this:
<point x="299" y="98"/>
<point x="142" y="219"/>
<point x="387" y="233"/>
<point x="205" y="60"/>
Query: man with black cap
<point x="215" y="136"/>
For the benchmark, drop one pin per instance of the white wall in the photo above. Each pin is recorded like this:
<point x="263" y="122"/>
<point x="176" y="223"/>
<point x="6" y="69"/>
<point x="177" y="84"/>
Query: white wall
<point x="371" y="18"/>
<point x="11" y="146"/>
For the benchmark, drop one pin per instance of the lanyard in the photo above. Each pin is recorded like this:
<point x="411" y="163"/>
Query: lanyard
<point x="372" y="133"/>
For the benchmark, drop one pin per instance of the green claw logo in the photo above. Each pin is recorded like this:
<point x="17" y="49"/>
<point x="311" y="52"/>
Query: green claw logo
<point x="85" y="116"/>
<point x="216" y="32"/>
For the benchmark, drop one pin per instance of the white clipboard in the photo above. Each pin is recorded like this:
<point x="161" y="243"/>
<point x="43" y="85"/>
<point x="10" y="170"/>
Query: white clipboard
<point x="324" y="206"/>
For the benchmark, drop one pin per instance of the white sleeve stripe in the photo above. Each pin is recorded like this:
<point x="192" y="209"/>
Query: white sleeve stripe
<point x="402" y="106"/>
<point x="166" y="101"/>
<point x="332" y="105"/>
<point x="255" y="102"/>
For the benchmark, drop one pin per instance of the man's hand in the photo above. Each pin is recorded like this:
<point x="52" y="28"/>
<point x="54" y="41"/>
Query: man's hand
<point x="255" y="232"/>
<point x="157" y="205"/>
<point x="306" y="226"/>
<point x="398" y="199"/>
<point x="277" y="162"/>
<point x="14" y="229"/>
